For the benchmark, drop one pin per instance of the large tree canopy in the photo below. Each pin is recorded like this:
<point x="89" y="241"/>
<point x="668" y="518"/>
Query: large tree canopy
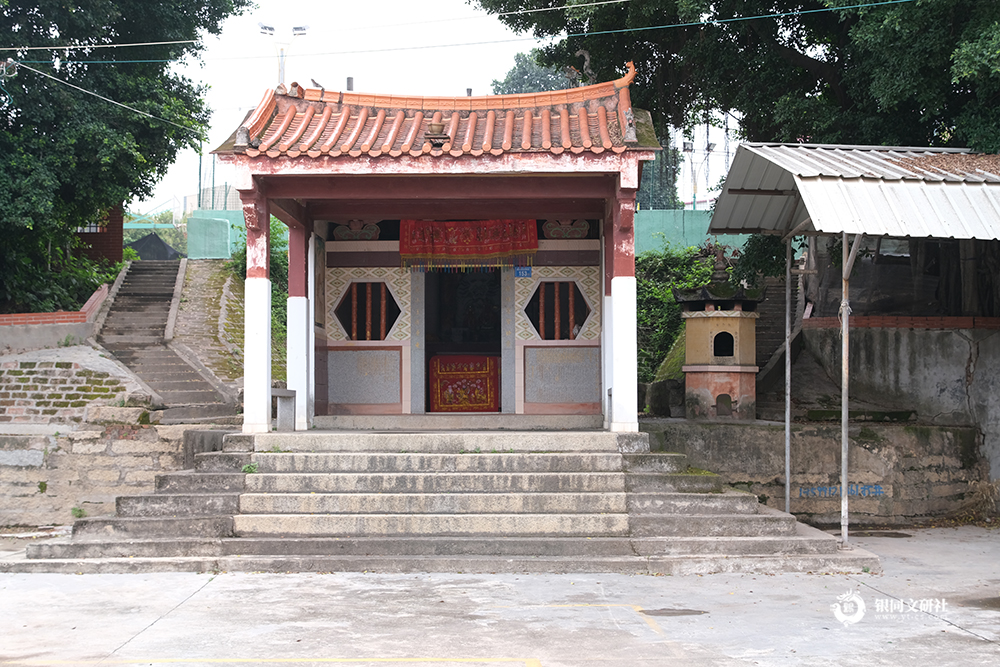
<point x="67" y="157"/>
<point x="917" y="72"/>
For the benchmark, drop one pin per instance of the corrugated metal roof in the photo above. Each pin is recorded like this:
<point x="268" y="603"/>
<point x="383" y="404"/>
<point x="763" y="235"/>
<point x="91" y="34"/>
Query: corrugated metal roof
<point x="873" y="190"/>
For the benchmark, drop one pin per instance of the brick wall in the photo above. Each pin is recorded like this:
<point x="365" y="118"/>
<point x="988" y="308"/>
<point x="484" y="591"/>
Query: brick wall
<point x="46" y="392"/>
<point x="85" y="314"/>
<point x="106" y="244"/>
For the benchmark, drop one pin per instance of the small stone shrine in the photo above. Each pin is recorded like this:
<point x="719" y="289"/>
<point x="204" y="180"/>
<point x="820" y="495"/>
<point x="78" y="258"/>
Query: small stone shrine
<point x="720" y="370"/>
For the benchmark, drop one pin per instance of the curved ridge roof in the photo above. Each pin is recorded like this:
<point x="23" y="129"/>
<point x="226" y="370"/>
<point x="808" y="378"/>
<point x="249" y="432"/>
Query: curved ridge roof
<point x="315" y="122"/>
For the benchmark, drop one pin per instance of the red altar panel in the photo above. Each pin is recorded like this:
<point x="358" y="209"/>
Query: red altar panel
<point x="465" y="383"/>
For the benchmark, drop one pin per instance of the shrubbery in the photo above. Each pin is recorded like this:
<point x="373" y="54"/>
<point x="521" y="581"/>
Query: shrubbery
<point x="658" y="314"/>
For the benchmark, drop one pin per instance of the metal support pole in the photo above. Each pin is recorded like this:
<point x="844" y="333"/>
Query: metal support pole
<point x="845" y="314"/>
<point x="788" y="375"/>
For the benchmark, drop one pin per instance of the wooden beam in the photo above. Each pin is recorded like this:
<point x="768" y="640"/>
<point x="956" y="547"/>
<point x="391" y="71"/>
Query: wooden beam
<point x="344" y="210"/>
<point x="291" y="213"/>
<point x="383" y="188"/>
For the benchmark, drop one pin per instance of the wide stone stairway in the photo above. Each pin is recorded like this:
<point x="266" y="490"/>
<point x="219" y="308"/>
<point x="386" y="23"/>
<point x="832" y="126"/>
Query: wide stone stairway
<point x="134" y="332"/>
<point x="483" y="501"/>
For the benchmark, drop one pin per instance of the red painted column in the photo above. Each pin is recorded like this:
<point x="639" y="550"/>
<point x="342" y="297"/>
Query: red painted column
<point x="257" y="217"/>
<point x="298" y="260"/>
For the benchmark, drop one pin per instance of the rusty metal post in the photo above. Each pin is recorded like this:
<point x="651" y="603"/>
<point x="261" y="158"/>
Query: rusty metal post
<point x="788" y="375"/>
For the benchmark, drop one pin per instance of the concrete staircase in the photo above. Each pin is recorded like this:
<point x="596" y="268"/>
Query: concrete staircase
<point x="469" y="502"/>
<point x="134" y="332"/>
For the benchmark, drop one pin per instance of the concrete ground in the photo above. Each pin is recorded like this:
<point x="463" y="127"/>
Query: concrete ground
<point x="937" y="602"/>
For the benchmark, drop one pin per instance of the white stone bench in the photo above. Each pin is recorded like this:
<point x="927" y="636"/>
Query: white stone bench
<point x="286" y="408"/>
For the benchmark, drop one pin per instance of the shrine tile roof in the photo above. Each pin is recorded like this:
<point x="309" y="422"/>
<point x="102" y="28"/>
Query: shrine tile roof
<point x="315" y="122"/>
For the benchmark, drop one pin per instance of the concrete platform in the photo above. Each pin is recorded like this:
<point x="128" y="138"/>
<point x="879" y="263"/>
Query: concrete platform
<point x="936" y="602"/>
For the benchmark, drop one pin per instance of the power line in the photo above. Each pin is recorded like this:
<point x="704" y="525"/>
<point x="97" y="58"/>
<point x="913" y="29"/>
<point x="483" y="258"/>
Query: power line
<point x="108" y="99"/>
<point x="587" y="34"/>
<point x="92" y="46"/>
<point x="390" y="25"/>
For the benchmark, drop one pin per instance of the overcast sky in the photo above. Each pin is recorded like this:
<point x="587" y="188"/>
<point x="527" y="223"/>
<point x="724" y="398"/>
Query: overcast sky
<point x="424" y="47"/>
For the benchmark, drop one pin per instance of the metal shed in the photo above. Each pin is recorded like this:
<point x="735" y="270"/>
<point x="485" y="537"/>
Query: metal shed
<point x="879" y="191"/>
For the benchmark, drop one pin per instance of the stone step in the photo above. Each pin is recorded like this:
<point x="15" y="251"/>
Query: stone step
<point x="727" y="502"/>
<point x="123" y="528"/>
<point x="452" y="422"/>
<point x="455" y="441"/>
<point x="341" y="546"/>
<point x="857" y="561"/>
<point x="221" y="413"/>
<point x="165" y="375"/>
<point x="187" y="397"/>
<point x="226" y="462"/>
<point x="649" y="482"/>
<point x="806" y="540"/>
<point x="658" y="462"/>
<point x="435" y="483"/>
<point x="712" y="525"/>
<point x="132" y="548"/>
<point x="434" y="463"/>
<point x="431" y="503"/>
<point x="497" y="525"/>
<point x="132" y="339"/>
<point x="177" y="504"/>
<point x="181" y="382"/>
<point x="189" y="481"/>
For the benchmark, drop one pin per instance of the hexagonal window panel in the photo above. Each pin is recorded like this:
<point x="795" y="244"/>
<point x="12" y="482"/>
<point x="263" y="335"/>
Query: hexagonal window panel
<point x="557" y="310"/>
<point x="367" y="311"/>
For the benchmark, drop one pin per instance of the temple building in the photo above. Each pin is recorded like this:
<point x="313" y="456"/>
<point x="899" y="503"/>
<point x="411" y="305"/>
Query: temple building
<point x="461" y="255"/>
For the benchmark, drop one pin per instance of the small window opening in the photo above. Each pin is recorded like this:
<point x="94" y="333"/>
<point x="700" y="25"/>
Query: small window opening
<point x="724" y="345"/>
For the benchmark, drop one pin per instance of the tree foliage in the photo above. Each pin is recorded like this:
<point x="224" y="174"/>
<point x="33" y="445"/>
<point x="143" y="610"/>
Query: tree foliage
<point x="67" y="157"/>
<point x="527" y="76"/>
<point x="658" y="315"/>
<point x="925" y="72"/>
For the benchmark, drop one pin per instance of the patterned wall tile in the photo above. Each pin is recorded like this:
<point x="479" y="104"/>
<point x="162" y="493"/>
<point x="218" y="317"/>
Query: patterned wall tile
<point x="588" y="280"/>
<point x="338" y="281"/>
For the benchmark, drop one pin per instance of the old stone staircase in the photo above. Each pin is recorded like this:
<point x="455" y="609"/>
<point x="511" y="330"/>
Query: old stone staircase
<point x="134" y="332"/>
<point x="486" y="501"/>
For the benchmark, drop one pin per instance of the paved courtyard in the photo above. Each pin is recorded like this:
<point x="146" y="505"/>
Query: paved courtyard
<point x="937" y="602"/>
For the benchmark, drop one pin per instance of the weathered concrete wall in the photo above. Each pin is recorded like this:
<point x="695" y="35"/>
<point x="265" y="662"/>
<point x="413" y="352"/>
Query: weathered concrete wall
<point x="947" y="376"/>
<point x="896" y="472"/>
<point x="43" y="477"/>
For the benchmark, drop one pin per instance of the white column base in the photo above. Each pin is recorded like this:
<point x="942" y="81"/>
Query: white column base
<point x="257" y="356"/>
<point x="624" y="371"/>
<point x="297" y="364"/>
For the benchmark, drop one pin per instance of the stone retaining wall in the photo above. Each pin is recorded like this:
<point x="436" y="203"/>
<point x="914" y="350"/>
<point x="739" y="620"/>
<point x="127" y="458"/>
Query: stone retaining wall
<point x="897" y="473"/>
<point x="46" y="392"/>
<point x="44" y="477"/>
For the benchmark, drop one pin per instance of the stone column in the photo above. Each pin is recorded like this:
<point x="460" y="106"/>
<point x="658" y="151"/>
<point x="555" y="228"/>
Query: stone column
<point x="257" y="314"/>
<point x="620" y="346"/>
<point x="299" y="356"/>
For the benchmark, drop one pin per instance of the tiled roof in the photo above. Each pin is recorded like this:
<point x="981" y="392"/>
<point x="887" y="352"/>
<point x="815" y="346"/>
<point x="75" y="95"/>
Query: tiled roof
<point x="315" y="122"/>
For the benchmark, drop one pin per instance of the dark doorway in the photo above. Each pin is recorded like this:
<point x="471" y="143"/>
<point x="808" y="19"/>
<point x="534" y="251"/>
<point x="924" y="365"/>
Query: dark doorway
<point x="462" y="316"/>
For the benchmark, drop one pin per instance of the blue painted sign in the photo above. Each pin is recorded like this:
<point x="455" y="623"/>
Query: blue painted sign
<point x="522" y="271"/>
<point x="860" y="490"/>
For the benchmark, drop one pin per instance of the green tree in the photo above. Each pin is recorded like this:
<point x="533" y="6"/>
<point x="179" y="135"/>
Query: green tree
<point x="67" y="157"/>
<point x="527" y="76"/>
<point x="925" y="72"/>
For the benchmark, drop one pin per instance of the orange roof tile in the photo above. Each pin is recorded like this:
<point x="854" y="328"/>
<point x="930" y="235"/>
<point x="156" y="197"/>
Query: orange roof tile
<point x="318" y="122"/>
